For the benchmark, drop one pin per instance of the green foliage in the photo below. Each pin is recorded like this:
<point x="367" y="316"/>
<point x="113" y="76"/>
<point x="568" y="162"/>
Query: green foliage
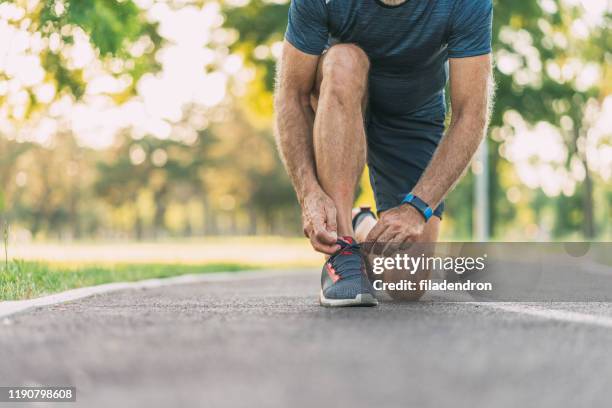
<point x="109" y="23"/>
<point x="25" y="280"/>
<point x="70" y="80"/>
<point x="5" y="241"/>
<point x="458" y="214"/>
<point x="111" y="26"/>
<point x="258" y="23"/>
<point x="549" y="99"/>
<point x="232" y="171"/>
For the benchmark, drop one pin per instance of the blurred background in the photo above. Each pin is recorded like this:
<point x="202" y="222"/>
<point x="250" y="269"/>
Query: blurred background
<point x="142" y="120"/>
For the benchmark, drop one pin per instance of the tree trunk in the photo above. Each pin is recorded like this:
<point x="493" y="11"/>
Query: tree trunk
<point x="252" y="221"/>
<point x="160" y="211"/>
<point x="587" y="203"/>
<point x="138" y="229"/>
<point x="588" y="226"/>
<point x="210" y="218"/>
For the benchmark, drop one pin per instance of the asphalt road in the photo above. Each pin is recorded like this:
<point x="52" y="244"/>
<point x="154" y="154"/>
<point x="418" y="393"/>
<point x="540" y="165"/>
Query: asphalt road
<point x="266" y="342"/>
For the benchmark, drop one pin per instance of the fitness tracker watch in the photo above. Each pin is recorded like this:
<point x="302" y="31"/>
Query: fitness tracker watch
<point x="419" y="204"/>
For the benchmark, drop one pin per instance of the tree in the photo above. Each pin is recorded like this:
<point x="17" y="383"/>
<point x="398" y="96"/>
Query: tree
<point x="551" y="67"/>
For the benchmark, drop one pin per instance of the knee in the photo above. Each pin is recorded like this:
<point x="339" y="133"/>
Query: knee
<point x="345" y="71"/>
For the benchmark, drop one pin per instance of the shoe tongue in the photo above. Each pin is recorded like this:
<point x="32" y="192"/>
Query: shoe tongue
<point x="347" y="261"/>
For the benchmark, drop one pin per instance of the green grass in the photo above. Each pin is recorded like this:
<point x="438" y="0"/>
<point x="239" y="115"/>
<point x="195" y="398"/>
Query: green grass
<point x="24" y="280"/>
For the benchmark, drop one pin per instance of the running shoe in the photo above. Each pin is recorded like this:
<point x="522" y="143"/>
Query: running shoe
<point x="343" y="279"/>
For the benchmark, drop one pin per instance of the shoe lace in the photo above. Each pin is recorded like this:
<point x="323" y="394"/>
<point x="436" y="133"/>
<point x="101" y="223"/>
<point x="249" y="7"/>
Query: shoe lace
<point x="347" y="261"/>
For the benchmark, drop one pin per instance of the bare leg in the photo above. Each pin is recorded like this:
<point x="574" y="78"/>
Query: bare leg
<point x="364" y="228"/>
<point x="339" y="135"/>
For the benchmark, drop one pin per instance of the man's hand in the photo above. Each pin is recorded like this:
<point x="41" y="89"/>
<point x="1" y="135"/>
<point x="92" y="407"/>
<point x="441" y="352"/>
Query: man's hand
<point x="319" y="221"/>
<point x="396" y="228"/>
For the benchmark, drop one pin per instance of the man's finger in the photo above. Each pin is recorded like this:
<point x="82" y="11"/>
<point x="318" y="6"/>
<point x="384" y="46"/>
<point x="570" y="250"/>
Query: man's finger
<point x="374" y="238"/>
<point x="392" y="243"/>
<point x="321" y="233"/>
<point x="378" y="229"/>
<point x="308" y="229"/>
<point x="325" y="237"/>
<point x="326" y="249"/>
<point x="331" y="221"/>
<point x="406" y="243"/>
<point x="409" y="240"/>
<point x="386" y="241"/>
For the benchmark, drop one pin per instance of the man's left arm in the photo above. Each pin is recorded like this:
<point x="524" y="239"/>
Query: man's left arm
<point x="471" y="88"/>
<point x="471" y="94"/>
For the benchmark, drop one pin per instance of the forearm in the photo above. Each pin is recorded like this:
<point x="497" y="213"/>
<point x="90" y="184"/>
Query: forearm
<point x="294" y="122"/>
<point x="452" y="157"/>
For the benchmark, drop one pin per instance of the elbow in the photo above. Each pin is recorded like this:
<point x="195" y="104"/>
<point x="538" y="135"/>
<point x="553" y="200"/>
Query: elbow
<point x="475" y="119"/>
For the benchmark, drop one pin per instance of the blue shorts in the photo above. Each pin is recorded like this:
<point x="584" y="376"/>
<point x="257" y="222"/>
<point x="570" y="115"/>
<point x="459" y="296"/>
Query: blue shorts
<point x="399" y="149"/>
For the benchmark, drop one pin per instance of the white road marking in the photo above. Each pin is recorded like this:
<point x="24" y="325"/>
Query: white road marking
<point x="11" y="307"/>
<point x="550" y="314"/>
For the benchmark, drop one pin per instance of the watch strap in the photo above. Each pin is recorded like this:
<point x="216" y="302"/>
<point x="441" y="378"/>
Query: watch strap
<point x="420" y="205"/>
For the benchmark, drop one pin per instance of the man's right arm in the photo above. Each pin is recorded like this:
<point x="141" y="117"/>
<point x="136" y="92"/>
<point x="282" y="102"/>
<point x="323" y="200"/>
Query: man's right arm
<point x="295" y="117"/>
<point x="294" y="133"/>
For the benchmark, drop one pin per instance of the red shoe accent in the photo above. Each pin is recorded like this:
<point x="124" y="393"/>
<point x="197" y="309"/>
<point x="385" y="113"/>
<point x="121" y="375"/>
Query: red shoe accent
<point x="332" y="273"/>
<point x="348" y="239"/>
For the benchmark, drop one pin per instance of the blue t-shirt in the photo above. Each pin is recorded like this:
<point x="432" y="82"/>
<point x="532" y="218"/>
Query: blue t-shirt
<point x="408" y="45"/>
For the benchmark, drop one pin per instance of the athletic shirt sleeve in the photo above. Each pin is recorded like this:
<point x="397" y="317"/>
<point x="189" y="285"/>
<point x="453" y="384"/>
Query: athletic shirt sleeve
<point x="470" y="28"/>
<point x="307" y="26"/>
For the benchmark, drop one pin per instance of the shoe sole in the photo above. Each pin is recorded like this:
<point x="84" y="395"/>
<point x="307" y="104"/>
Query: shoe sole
<point x="363" y="299"/>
